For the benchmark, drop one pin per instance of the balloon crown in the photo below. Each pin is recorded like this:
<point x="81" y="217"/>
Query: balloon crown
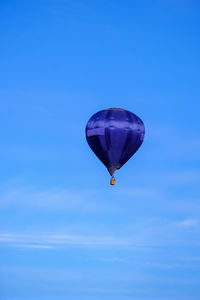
<point x="115" y="108"/>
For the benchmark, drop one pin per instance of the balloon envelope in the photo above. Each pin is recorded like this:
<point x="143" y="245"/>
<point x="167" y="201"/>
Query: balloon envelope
<point x="114" y="135"/>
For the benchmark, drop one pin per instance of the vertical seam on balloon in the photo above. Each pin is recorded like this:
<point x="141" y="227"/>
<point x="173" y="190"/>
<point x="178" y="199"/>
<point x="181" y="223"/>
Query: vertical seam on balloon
<point x="104" y="126"/>
<point x="127" y="137"/>
<point x="107" y="133"/>
<point x="138" y="136"/>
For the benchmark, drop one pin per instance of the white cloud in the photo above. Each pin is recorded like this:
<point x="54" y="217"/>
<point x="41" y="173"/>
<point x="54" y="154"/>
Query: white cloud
<point x="34" y="246"/>
<point x="109" y="259"/>
<point x="170" y="265"/>
<point x="60" y="240"/>
<point x="189" y="223"/>
<point x="139" y="192"/>
<point x="153" y="235"/>
<point x="57" y="199"/>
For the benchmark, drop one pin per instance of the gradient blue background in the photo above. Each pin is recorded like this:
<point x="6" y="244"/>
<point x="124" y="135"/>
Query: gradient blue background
<point x="65" y="233"/>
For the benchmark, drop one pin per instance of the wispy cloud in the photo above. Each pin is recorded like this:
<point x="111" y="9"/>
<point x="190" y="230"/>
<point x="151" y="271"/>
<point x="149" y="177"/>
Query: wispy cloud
<point x="59" y="240"/>
<point x="34" y="246"/>
<point x="61" y="199"/>
<point x="109" y="259"/>
<point x="169" y="265"/>
<point x="146" y="240"/>
<point x="188" y="223"/>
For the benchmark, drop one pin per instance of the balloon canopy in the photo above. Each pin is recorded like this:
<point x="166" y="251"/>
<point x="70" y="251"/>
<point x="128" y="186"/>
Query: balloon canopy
<point x="114" y="135"/>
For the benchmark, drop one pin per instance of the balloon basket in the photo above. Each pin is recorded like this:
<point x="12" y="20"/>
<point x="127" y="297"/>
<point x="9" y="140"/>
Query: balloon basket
<point x="112" y="180"/>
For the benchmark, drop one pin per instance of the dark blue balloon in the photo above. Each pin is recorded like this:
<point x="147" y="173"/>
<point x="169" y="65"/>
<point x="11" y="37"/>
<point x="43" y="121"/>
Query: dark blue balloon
<point x="114" y="135"/>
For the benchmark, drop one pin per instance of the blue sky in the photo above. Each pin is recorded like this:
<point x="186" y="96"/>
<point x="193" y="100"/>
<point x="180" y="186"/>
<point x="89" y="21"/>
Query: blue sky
<point x="65" y="233"/>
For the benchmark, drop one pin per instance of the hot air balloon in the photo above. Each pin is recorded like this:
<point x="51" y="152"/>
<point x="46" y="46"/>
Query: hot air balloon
<point x="114" y="135"/>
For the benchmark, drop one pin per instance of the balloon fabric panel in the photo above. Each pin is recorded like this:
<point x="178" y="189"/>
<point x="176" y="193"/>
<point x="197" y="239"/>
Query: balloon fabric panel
<point x="114" y="135"/>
